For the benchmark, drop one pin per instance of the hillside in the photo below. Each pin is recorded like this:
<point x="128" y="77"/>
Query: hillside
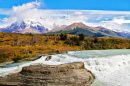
<point x="86" y="32"/>
<point x="123" y="33"/>
<point x="70" y="27"/>
<point x="78" y="28"/>
<point x="91" y="32"/>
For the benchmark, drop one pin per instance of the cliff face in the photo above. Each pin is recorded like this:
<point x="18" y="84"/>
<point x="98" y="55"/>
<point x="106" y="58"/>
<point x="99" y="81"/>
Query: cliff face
<point x="72" y="74"/>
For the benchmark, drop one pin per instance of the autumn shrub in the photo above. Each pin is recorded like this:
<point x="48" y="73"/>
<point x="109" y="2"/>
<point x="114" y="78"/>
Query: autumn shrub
<point x="17" y="58"/>
<point x="58" y="51"/>
<point x="25" y="57"/>
<point x="63" y="36"/>
<point x="69" y="42"/>
<point x="4" y="56"/>
<point x="2" y="60"/>
<point x="81" y="37"/>
<point x="30" y="51"/>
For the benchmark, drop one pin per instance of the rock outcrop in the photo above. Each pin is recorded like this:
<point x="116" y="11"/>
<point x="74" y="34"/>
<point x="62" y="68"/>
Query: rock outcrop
<point x="72" y="74"/>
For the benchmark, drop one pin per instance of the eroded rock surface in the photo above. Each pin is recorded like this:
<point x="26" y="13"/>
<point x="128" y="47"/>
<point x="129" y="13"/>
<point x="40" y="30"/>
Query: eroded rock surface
<point x="72" y="74"/>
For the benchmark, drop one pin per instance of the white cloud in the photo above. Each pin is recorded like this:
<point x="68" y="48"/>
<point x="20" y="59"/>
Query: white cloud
<point x="25" y="7"/>
<point x="46" y="17"/>
<point x="119" y="20"/>
<point x="117" y="23"/>
<point x="77" y="13"/>
<point x="5" y="11"/>
<point x="108" y="19"/>
<point x="8" y="21"/>
<point x="19" y="13"/>
<point x="11" y="19"/>
<point x="107" y="12"/>
<point x="112" y="25"/>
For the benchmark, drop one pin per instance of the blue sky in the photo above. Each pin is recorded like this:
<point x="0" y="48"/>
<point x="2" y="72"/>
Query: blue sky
<point x="10" y="3"/>
<point x="112" y="14"/>
<point x="116" y="5"/>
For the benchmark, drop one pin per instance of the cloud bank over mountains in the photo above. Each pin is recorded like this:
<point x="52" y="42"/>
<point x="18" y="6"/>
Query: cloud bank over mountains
<point x="52" y="18"/>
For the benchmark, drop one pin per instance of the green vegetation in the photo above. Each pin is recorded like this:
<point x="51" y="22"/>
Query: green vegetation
<point x="81" y="37"/>
<point x="30" y="52"/>
<point x="90" y="43"/>
<point x="3" y="57"/>
<point x="91" y="32"/>
<point x="17" y="58"/>
<point x="63" y="36"/>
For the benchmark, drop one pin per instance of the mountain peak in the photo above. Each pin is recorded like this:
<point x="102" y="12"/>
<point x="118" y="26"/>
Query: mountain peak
<point x="87" y="30"/>
<point x="32" y="22"/>
<point x="20" y="27"/>
<point x="78" y="23"/>
<point x="71" y="27"/>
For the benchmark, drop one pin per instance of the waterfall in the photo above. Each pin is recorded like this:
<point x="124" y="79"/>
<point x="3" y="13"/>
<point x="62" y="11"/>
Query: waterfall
<point x="110" y="67"/>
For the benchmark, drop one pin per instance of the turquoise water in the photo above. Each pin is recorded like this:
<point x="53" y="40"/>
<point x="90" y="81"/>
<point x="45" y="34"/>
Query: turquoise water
<point x="100" y="53"/>
<point x="110" y="67"/>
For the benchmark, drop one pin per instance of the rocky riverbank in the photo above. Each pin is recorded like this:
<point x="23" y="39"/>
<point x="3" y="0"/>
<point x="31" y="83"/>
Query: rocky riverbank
<point x="72" y="74"/>
<point x="28" y="59"/>
<point x="6" y="63"/>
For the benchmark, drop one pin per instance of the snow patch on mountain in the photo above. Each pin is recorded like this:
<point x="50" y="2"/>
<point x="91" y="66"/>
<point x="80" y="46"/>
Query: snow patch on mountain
<point x="20" y="27"/>
<point x="32" y="22"/>
<point x="121" y="31"/>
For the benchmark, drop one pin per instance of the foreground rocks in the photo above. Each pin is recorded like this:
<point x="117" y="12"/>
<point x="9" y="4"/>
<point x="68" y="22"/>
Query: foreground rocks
<point x="72" y="74"/>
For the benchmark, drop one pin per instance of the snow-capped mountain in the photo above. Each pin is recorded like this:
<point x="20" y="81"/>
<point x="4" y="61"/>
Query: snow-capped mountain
<point x="123" y="33"/>
<point x="115" y="30"/>
<point x="25" y="26"/>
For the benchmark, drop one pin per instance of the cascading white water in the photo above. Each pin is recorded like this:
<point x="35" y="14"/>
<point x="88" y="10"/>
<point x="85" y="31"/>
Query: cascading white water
<point x="112" y="71"/>
<point x="110" y="67"/>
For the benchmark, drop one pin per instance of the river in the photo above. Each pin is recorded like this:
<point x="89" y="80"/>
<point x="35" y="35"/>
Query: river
<point x="110" y="67"/>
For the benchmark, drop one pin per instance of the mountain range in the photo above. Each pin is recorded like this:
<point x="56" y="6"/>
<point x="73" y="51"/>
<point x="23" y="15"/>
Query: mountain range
<point x="123" y="33"/>
<point x="25" y="26"/>
<point x="31" y="26"/>
<point x="77" y="28"/>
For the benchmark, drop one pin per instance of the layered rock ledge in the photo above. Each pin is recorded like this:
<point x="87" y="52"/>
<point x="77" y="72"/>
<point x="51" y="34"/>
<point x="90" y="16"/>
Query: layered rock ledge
<point x="72" y="74"/>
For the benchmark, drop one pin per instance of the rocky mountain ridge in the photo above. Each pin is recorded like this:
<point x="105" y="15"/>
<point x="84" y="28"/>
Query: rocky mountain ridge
<point x="32" y="26"/>
<point x="78" y="28"/>
<point x="25" y="26"/>
<point x="123" y="33"/>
